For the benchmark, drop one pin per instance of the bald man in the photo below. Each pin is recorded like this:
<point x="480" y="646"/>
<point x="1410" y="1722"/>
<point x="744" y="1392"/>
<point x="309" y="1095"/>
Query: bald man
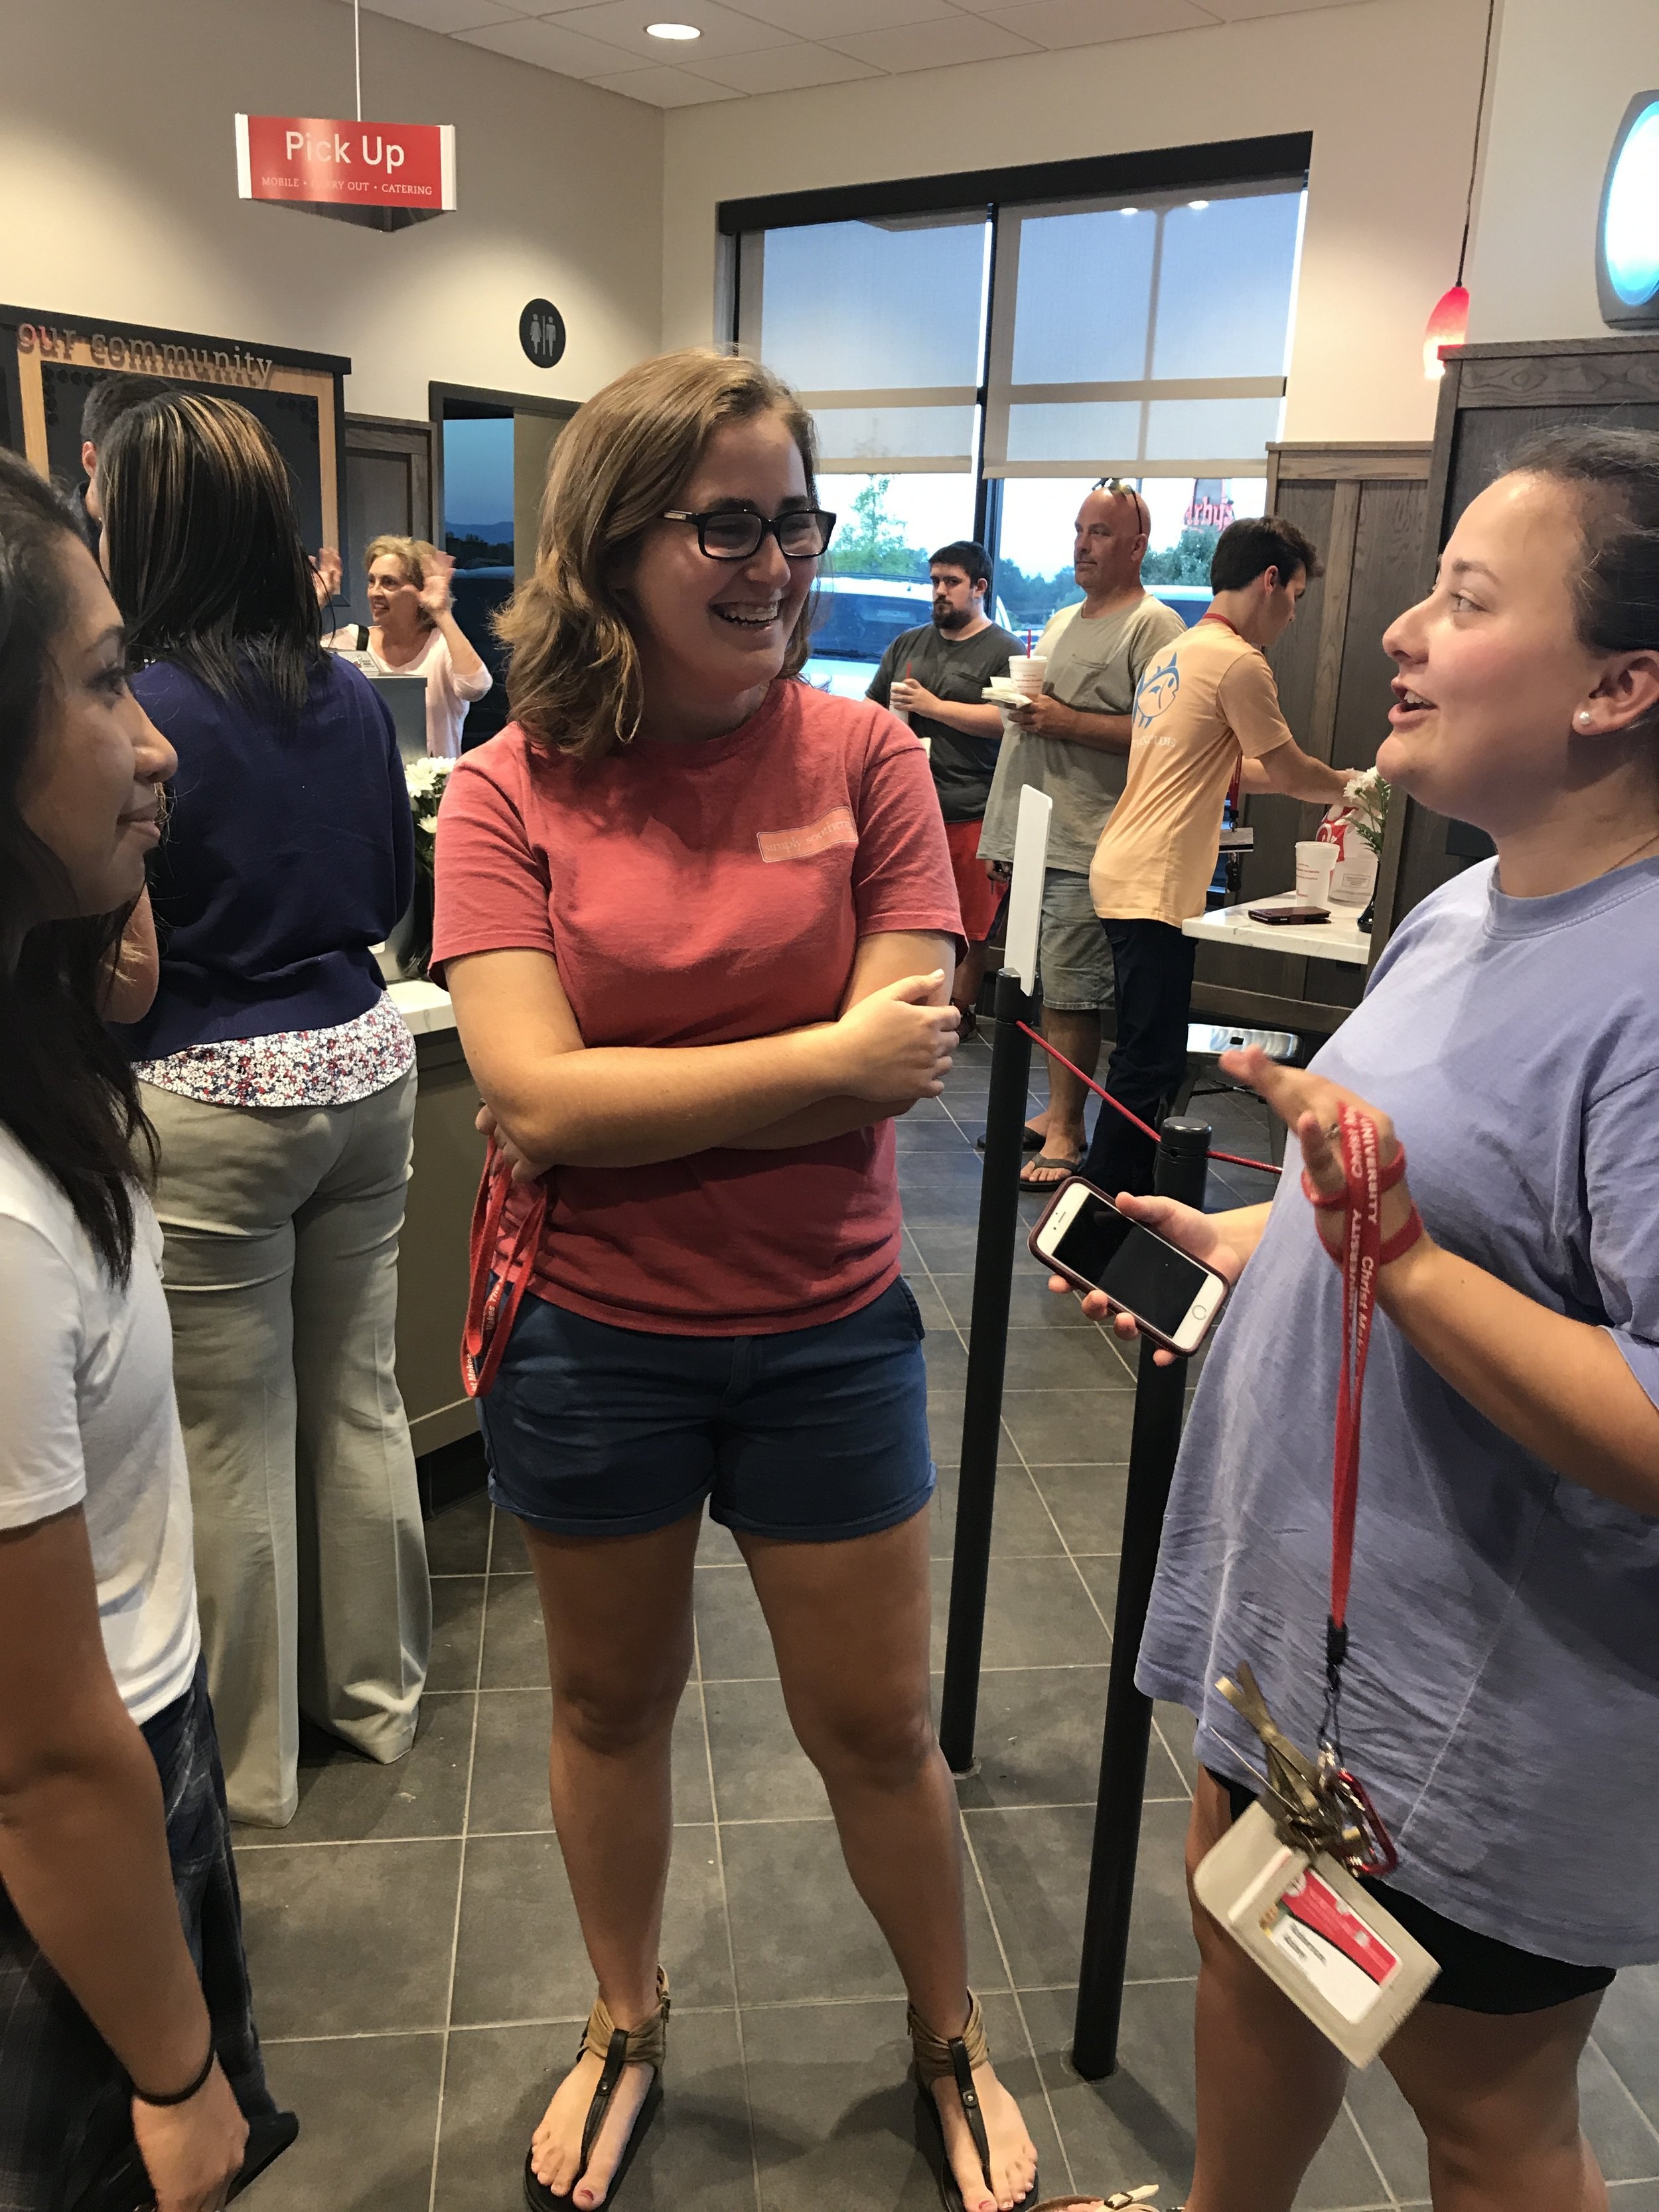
<point x="1074" y="744"/>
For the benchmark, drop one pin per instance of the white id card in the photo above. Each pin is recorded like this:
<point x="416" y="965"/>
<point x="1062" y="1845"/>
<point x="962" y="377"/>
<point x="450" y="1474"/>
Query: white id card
<point x="1336" y="1953"/>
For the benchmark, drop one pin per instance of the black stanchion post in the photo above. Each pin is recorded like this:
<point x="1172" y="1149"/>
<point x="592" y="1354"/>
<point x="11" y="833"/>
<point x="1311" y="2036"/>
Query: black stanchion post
<point x="1183" y="1160"/>
<point x="988" y="1347"/>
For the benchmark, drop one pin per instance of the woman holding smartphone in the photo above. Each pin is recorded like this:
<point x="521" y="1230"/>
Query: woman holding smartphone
<point x="699" y="924"/>
<point x="124" y="2001"/>
<point x="1501" y="1693"/>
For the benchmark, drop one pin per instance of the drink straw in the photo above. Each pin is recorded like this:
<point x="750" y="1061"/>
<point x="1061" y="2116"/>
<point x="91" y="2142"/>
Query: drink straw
<point x="1028" y="645"/>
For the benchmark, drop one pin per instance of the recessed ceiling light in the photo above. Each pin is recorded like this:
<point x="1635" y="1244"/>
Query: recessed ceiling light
<point x="1128" y="210"/>
<point x="672" y="31"/>
<point x="1198" y="206"/>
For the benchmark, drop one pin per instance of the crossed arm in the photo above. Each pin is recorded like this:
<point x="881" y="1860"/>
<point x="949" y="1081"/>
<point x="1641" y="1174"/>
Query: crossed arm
<point x="555" y="1101"/>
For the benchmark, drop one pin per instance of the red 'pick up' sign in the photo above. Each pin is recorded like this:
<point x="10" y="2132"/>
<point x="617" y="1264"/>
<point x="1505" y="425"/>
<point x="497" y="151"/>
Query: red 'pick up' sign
<point x="323" y="162"/>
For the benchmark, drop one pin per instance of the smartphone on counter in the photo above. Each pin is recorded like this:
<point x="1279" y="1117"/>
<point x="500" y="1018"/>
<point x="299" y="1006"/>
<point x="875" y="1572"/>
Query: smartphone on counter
<point x="1296" y="917"/>
<point x="1173" y="1298"/>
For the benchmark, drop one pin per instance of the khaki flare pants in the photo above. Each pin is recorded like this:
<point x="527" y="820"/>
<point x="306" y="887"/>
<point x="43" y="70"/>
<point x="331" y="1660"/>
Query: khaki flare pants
<point x="281" y="1266"/>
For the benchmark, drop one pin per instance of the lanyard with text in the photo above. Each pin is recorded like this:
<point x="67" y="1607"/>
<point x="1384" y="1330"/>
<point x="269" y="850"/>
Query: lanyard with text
<point x="1322" y="1805"/>
<point x="495" y="1288"/>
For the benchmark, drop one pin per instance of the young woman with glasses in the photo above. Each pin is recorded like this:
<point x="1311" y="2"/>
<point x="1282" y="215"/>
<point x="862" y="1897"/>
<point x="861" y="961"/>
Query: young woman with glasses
<point x="698" y="921"/>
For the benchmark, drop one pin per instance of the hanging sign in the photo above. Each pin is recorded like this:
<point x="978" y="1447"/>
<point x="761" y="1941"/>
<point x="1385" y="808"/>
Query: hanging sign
<point x="321" y="161"/>
<point x="1627" y="234"/>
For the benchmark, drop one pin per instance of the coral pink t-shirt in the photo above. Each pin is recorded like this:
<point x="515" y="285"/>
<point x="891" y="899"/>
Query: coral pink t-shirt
<point x="701" y="894"/>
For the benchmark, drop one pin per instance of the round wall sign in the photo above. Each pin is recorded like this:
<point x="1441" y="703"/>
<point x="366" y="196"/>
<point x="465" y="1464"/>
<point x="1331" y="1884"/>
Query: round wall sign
<point x="1627" y="235"/>
<point x="541" y="333"/>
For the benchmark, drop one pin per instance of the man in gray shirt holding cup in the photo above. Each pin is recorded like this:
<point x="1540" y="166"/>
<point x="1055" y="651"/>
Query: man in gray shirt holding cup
<point x="1072" y="742"/>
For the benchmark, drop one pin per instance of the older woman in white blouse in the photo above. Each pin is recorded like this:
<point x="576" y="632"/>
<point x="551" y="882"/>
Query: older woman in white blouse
<point x="412" y="631"/>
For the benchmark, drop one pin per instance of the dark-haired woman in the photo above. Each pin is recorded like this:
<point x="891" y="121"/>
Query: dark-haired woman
<point x="280" y="1081"/>
<point x="124" y="2001"/>
<point x="1501" y="1695"/>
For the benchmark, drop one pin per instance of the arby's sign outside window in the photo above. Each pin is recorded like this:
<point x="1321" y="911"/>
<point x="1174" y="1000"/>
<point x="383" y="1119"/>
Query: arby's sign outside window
<point x="323" y="162"/>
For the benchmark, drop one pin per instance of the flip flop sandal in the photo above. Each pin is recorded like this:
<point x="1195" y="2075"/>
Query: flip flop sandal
<point x="1113" y="2204"/>
<point x="956" y="2056"/>
<point x="616" y="2048"/>
<point x="1067" y="1168"/>
<point x="1028" y="1142"/>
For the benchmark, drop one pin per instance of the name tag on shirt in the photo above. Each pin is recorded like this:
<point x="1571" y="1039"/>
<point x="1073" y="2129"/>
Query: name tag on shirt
<point x="1336" y="1953"/>
<point x="837" y="827"/>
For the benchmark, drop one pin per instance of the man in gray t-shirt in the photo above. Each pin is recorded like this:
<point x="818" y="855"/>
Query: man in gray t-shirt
<point x="1074" y="743"/>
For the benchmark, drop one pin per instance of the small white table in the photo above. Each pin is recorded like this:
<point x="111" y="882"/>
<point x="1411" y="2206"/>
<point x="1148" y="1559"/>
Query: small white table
<point x="1338" y="939"/>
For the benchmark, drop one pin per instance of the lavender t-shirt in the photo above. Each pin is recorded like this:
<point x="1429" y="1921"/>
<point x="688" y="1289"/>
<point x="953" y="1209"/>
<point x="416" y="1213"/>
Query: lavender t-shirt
<point x="1501" y="1698"/>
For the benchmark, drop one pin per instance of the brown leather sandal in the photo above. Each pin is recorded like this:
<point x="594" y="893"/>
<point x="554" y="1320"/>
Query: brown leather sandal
<point x="616" y="2048"/>
<point x="955" y="2056"/>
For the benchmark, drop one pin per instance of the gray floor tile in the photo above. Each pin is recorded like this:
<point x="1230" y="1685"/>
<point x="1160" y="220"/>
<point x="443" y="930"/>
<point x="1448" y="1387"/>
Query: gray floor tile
<point x="835" y="2119"/>
<point x="1021" y="1525"/>
<point x="1037" y="1740"/>
<point x="520" y="1955"/>
<point x="1063" y="1360"/>
<point x="514" y="1643"/>
<point x="1032" y="1303"/>
<point x="1070" y="1428"/>
<point x="761" y="1773"/>
<point x="696" y="2157"/>
<point x="1086" y="1504"/>
<point x="369" y="2117"/>
<point x="1036" y="1868"/>
<point x="1633" y="2196"/>
<point x="716" y="1545"/>
<point x="344" y="1796"/>
<point x="457" y="1538"/>
<point x="349" y="1939"/>
<point x="733" y="1642"/>
<point x="1173" y="1731"/>
<point x="939" y="1133"/>
<point x="1100" y="1573"/>
<point x="1627" y="2030"/>
<point x="457" y="1612"/>
<point x="1037" y="1613"/>
<point x="1136" y="2127"/>
<point x="800" y="1930"/>
<point x="509" y="1773"/>
<point x="935" y="1314"/>
<point x="949" y="1245"/>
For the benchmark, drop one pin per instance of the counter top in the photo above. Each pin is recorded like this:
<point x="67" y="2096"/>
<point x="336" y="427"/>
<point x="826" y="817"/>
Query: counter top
<point x="424" y="1006"/>
<point x="1338" y="939"/>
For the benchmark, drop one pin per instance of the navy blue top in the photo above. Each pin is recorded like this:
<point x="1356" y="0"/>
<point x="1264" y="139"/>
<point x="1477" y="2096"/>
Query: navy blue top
<point x="289" y="852"/>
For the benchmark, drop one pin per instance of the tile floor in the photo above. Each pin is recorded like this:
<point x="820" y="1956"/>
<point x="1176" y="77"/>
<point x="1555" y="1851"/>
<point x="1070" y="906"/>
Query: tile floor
<point x="418" y="1970"/>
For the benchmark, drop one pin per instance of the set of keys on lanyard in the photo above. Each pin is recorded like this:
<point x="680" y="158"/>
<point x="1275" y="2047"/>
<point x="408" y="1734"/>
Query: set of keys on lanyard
<point x="1319" y="1805"/>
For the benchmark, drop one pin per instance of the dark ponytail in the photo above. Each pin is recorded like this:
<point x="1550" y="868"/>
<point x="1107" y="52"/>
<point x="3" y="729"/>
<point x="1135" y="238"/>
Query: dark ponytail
<point x="67" y="1093"/>
<point x="1614" y="475"/>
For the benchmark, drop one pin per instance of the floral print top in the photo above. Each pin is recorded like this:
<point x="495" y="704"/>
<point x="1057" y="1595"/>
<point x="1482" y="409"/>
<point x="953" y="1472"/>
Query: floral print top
<point x="296" y="1067"/>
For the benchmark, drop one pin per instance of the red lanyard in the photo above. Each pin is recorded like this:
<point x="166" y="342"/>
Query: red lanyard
<point x="492" y="1306"/>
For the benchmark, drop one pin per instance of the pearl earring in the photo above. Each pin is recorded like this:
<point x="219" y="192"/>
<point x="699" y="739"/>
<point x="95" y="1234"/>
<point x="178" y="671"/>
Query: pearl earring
<point x="1584" y="716"/>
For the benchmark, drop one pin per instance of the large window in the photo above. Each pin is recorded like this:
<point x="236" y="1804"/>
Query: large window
<point x="972" y="371"/>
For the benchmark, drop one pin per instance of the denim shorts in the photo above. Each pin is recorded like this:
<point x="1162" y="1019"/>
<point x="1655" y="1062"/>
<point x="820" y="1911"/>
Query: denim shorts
<point x="813" y="1435"/>
<point x="1075" y="961"/>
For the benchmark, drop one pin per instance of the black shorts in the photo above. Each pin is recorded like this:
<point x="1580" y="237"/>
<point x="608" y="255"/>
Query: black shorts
<point x="1477" y="1973"/>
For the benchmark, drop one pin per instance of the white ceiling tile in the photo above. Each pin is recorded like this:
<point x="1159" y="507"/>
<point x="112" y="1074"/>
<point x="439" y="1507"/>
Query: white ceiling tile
<point x="445" y="14"/>
<point x="935" y="46"/>
<point x="1091" y="23"/>
<point x="845" y="19"/>
<point x="549" y="47"/>
<point x="785" y="68"/>
<point x="664" y="88"/>
<point x="622" y="23"/>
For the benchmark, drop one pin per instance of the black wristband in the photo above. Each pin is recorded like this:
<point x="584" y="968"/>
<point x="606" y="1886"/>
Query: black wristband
<point x="180" y="2096"/>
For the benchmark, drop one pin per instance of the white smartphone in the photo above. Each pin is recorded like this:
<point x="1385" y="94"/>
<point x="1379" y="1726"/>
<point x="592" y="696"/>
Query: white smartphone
<point x="1173" y="1298"/>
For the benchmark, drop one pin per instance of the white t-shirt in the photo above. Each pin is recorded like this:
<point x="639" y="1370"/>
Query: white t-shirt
<point x="88" y="1418"/>
<point x="447" y="695"/>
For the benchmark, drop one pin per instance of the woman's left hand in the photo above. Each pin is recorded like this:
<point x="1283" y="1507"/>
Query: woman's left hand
<point x="1308" y="1105"/>
<point x="434" y="592"/>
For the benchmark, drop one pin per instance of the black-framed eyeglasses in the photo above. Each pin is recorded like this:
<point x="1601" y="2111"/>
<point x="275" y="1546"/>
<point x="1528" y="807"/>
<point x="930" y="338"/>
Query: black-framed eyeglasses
<point x="733" y="533"/>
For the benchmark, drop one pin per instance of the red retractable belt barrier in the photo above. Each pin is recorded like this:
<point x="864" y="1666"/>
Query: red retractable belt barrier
<point x="1237" y="1159"/>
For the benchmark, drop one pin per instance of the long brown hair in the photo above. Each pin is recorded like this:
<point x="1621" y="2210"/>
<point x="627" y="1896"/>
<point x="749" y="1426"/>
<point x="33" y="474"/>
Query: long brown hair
<point x="573" y="679"/>
<point x="204" y="555"/>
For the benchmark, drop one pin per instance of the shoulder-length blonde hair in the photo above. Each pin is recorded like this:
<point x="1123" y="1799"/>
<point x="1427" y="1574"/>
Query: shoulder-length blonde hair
<point x="414" y="552"/>
<point x="573" y="679"/>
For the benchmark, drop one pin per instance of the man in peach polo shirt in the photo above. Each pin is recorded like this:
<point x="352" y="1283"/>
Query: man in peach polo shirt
<point x="1206" y="707"/>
